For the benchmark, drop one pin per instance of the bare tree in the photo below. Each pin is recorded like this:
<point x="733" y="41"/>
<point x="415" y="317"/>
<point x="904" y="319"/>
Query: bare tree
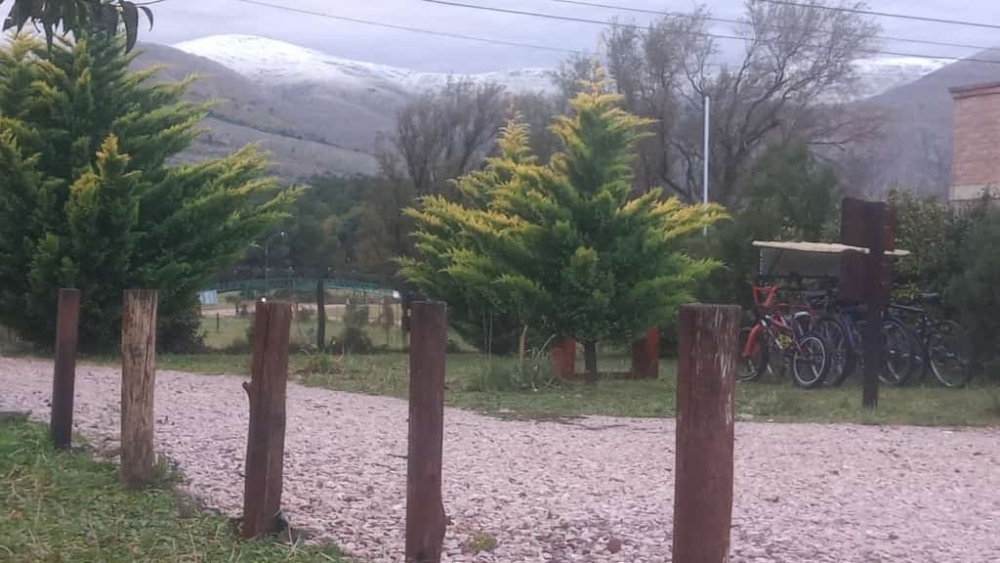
<point x="796" y="58"/>
<point x="444" y="134"/>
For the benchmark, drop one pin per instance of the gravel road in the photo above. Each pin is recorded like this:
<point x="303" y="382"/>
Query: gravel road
<point x="561" y="492"/>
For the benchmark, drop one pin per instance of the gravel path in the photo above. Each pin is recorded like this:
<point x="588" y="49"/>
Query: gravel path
<point x="558" y="492"/>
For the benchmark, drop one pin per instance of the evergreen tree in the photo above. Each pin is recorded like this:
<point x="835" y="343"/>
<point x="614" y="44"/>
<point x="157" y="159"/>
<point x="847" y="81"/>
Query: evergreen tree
<point x="565" y="245"/>
<point x="89" y="200"/>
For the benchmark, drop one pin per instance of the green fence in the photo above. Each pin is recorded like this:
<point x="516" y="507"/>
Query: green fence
<point x="260" y="286"/>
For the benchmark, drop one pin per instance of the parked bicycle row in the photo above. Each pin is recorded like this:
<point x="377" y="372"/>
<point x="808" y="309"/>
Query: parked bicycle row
<point x="822" y="339"/>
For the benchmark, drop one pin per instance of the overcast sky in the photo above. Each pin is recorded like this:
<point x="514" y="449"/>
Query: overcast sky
<point x="179" y="20"/>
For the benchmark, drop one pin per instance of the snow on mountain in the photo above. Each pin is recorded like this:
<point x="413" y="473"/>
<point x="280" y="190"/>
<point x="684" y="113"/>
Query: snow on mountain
<point x="883" y="74"/>
<point x="280" y="63"/>
<point x="277" y="62"/>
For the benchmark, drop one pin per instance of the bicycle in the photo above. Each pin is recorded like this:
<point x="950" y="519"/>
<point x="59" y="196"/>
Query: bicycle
<point x="845" y="336"/>
<point x="795" y="343"/>
<point x="939" y="342"/>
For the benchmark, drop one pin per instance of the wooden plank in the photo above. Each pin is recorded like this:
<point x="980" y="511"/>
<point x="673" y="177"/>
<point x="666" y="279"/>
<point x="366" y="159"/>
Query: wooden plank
<point x="266" y="436"/>
<point x="425" y="517"/>
<point x="138" y="385"/>
<point x="703" y="485"/>
<point x="64" y="372"/>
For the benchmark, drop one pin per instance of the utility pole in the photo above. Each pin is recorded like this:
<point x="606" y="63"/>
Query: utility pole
<point x="707" y="155"/>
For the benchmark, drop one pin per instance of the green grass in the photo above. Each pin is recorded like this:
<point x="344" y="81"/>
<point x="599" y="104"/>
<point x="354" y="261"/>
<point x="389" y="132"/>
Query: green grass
<point x="57" y="506"/>
<point x="497" y="387"/>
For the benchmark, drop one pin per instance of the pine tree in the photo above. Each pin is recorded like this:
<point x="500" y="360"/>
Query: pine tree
<point x="90" y="199"/>
<point x="566" y="245"/>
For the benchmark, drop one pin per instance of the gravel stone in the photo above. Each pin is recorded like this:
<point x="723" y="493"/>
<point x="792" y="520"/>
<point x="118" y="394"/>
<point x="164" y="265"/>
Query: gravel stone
<point x="550" y="491"/>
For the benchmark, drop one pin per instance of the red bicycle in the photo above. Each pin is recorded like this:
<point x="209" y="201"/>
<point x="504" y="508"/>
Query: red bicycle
<point x="786" y="337"/>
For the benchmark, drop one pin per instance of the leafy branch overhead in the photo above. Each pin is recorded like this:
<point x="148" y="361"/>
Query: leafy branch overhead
<point x="73" y="15"/>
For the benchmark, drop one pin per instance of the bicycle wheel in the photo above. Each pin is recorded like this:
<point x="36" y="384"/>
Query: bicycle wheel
<point x="810" y="362"/>
<point x="949" y="354"/>
<point x="899" y="353"/>
<point x="752" y="366"/>
<point x="838" y="342"/>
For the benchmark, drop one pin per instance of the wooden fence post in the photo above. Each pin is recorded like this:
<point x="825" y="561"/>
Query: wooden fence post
<point x="703" y="485"/>
<point x="138" y="386"/>
<point x="425" y="518"/>
<point x="646" y="356"/>
<point x="266" y="435"/>
<point x="64" y="374"/>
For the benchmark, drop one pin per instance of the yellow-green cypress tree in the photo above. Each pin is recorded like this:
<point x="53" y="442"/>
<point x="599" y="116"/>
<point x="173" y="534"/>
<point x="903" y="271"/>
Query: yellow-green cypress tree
<point x="566" y="244"/>
<point x="92" y="198"/>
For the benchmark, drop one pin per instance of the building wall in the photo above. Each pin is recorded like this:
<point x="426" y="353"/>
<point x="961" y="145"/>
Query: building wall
<point x="976" y="140"/>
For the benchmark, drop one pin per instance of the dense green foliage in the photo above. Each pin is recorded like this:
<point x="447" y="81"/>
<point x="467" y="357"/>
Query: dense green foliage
<point x="788" y="196"/>
<point x="89" y="200"/>
<point x="974" y="286"/>
<point x="564" y="245"/>
<point x="937" y="235"/>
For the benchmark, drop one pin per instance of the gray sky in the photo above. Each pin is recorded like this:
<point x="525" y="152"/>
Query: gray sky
<point x="179" y="20"/>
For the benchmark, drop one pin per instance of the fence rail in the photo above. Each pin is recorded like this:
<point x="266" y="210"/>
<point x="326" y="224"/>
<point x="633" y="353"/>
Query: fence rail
<point x="293" y="283"/>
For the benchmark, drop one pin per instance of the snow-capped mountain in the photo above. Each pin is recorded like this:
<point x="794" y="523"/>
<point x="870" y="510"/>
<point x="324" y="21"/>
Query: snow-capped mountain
<point x="279" y="63"/>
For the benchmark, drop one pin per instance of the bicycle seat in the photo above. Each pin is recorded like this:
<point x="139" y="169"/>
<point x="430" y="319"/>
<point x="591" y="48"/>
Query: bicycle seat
<point x="930" y="297"/>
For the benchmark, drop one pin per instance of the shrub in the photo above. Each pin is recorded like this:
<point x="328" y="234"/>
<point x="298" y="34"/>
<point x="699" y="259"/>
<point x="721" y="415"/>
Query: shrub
<point x="353" y="340"/>
<point x="975" y="290"/>
<point x="355" y="314"/>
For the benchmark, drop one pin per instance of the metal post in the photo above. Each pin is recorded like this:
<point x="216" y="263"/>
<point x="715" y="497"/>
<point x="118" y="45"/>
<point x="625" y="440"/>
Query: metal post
<point x="707" y="152"/>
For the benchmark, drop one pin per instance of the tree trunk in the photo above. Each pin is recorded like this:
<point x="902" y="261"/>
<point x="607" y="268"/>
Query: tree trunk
<point x="320" y="314"/>
<point x="590" y="361"/>
<point x="521" y="344"/>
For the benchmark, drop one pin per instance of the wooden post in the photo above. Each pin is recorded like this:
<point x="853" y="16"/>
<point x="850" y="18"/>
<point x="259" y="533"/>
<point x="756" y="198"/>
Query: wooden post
<point x="875" y="300"/>
<point x="646" y="356"/>
<point x="425" y="518"/>
<point x="703" y="485"/>
<point x="266" y="436"/>
<point x="138" y="385"/>
<point x="563" y="353"/>
<point x="218" y="323"/>
<point x="64" y="375"/>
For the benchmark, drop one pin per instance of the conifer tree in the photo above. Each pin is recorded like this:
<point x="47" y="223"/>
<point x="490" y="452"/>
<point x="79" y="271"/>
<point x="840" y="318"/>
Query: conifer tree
<point x="90" y="197"/>
<point x="566" y="245"/>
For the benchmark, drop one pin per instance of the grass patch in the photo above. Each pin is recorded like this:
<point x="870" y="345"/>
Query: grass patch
<point x="57" y="506"/>
<point x="505" y="388"/>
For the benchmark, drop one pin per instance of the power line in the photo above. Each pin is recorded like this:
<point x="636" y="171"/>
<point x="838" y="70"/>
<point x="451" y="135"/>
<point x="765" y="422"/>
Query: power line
<point x="884" y="14"/>
<point x="702" y="34"/>
<point x="738" y="22"/>
<point x="413" y="29"/>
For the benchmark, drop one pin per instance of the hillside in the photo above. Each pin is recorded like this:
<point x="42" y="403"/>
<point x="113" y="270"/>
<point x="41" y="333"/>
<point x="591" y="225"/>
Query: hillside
<point x="917" y="153"/>
<point x="307" y="130"/>
<point x="317" y="113"/>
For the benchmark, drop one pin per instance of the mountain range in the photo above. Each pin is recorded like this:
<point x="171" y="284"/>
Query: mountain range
<point x="321" y="114"/>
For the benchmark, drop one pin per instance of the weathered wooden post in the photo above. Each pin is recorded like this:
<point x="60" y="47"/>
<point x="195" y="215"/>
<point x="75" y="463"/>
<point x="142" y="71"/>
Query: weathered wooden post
<point x="646" y="356"/>
<point x="703" y="485"/>
<point x="138" y="385"/>
<point x="563" y="354"/>
<point x="64" y="374"/>
<point x="875" y="307"/>
<point x="867" y="278"/>
<point x="425" y="518"/>
<point x="266" y="436"/>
